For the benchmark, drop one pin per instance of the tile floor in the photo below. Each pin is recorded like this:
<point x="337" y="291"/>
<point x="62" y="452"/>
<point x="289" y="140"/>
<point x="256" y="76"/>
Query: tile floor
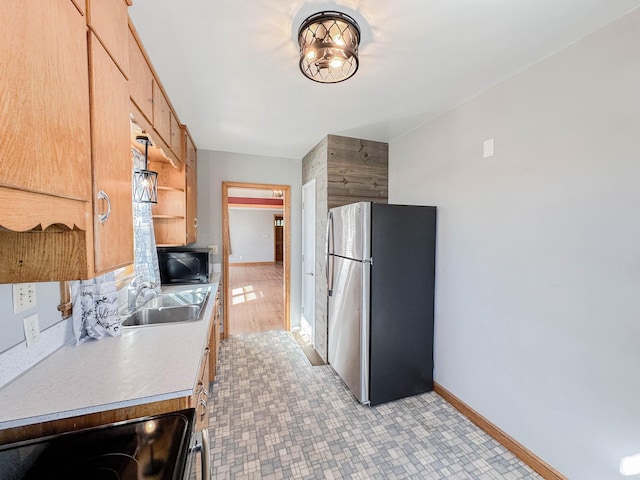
<point x="274" y="416"/>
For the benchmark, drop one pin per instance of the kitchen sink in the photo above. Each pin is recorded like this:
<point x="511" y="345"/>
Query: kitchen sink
<point x="175" y="299"/>
<point x="161" y="315"/>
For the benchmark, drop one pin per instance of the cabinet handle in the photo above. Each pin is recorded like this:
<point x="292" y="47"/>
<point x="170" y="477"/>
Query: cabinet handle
<point x="103" y="217"/>
<point x="206" y="352"/>
<point x="203" y="403"/>
<point x="195" y="222"/>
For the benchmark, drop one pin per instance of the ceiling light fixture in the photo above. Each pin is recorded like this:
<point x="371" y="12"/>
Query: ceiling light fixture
<point x="145" y="182"/>
<point x="329" y="47"/>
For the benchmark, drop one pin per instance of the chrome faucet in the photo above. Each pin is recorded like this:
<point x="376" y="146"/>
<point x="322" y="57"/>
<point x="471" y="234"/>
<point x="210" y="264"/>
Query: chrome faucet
<point x="136" y="287"/>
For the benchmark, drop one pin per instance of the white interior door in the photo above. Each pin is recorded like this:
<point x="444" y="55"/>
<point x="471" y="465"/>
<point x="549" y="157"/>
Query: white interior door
<point x="309" y="258"/>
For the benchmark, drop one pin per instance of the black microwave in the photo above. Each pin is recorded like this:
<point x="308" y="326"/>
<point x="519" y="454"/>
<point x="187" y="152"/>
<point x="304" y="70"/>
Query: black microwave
<point x="185" y="265"/>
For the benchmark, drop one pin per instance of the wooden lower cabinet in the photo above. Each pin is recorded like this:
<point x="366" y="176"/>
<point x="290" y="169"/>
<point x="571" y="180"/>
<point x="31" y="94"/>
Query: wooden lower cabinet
<point x="214" y="341"/>
<point x="200" y="397"/>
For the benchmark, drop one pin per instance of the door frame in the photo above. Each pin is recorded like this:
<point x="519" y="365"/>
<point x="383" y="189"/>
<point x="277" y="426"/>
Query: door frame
<point x="310" y="185"/>
<point x="286" y="253"/>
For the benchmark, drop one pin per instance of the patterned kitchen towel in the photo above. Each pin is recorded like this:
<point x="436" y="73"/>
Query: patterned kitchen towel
<point x="95" y="308"/>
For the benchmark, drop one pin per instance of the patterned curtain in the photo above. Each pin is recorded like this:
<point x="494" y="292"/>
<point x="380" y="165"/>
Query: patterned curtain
<point x="146" y="256"/>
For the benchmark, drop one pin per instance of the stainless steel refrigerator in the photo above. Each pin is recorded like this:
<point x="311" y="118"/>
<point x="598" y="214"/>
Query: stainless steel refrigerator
<point x="381" y="279"/>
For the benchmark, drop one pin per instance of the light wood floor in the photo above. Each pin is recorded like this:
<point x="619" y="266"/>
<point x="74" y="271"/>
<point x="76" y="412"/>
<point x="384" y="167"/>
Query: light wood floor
<point x="257" y="294"/>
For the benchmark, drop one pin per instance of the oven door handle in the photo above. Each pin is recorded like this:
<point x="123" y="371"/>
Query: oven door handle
<point x="206" y="455"/>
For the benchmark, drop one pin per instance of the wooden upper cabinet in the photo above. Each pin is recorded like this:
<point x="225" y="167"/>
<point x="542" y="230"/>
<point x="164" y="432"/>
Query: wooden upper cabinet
<point x="44" y="100"/>
<point x="176" y="136"/>
<point x="112" y="163"/>
<point x="161" y="114"/>
<point x="140" y="78"/>
<point x="192" y="189"/>
<point x="109" y="20"/>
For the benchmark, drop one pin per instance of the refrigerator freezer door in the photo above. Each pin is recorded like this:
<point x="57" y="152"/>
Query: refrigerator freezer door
<point x="349" y="325"/>
<point x="350" y="231"/>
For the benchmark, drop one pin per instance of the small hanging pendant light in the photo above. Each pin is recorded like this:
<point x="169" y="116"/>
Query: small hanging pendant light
<point x="329" y="47"/>
<point x="145" y="182"/>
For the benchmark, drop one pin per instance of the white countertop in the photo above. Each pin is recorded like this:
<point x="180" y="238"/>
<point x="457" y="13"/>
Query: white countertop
<point x="144" y="364"/>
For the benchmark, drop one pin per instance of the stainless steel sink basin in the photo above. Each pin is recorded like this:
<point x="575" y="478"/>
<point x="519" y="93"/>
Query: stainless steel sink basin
<point x="175" y="299"/>
<point x="155" y="316"/>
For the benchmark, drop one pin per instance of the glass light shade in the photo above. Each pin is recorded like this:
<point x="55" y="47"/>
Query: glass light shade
<point x="145" y="182"/>
<point x="145" y="186"/>
<point x="329" y="47"/>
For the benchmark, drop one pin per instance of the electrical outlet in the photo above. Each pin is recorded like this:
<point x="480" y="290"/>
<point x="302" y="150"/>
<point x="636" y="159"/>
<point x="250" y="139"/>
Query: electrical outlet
<point x="31" y="330"/>
<point x="214" y="249"/>
<point x="24" y="296"/>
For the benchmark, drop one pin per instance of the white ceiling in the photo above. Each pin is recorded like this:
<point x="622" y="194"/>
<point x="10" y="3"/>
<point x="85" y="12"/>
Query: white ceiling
<point x="230" y="67"/>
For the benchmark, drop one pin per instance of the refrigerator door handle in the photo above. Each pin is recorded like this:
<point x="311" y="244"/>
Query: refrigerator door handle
<point x="330" y="244"/>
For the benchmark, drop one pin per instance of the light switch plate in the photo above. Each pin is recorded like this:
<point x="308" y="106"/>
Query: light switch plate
<point x="214" y="249"/>
<point x="31" y="329"/>
<point x="24" y="296"/>
<point x="487" y="148"/>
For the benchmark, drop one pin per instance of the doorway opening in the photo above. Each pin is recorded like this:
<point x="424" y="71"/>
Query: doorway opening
<point x="278" y="236"/>
<point x="256" y="278"/>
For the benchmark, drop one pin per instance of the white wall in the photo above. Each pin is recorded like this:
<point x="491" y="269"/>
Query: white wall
<point x="15" y="356"/>
<point x="252" y="234"/>
<point x="216" y="167"/>
<point x="538" y="264"/>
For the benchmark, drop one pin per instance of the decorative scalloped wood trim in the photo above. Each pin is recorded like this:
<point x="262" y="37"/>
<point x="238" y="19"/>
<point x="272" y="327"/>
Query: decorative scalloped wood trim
<point x="528" y="457"/>
<point x="43" y="211"/>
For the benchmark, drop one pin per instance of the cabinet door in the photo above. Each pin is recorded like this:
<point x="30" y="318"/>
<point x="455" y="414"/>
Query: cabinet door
<point x="192" y="191"/>
<point x="201" y="393"/>
<point x="161" y="114"/>
<point x="109" y="20"/>
<point x="176" y="137"/>
<point x="112" y="164"/>
<point x="214" y="341"/>
<point x="140" y="79"/>
<point x="44" y="99"/>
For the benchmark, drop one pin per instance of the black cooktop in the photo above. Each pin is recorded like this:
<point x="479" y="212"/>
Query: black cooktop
<point x="150" y="448"/>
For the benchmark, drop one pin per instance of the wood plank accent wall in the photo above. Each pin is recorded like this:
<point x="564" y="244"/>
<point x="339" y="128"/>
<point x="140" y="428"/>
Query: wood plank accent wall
<point x="346" y="170"/>
<point x="357" y="171"/>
